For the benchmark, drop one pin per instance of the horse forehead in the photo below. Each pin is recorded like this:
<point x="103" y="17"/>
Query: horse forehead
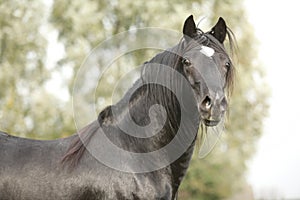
<point x="204" y="50"/>
<point x="209" y="52"/>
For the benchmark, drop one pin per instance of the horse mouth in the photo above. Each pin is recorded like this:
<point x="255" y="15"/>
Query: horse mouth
<point x="210" y="122"/>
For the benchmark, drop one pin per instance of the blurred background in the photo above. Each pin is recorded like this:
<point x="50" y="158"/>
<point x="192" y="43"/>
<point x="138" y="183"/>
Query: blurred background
<point x="43" y="43"/>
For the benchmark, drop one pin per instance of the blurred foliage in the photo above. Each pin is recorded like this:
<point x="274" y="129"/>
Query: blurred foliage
<point x="28" y="109"/>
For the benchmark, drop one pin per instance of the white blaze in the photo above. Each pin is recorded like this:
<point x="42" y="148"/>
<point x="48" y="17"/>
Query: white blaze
<point x="209" y="52"/>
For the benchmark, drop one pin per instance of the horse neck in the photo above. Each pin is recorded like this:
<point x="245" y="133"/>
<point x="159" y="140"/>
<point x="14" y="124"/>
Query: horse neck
<point x="136" y="108"/>
<point x="139" y="113"/>
<point x="166" y="134"/>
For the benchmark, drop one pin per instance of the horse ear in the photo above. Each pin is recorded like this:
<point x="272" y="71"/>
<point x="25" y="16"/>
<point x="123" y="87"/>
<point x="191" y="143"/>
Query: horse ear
<point x="219" y="30"/>
<point x="189" y="28"/>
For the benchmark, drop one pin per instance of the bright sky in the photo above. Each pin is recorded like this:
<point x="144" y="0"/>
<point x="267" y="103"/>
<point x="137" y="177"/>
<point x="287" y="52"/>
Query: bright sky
<point x="275" y="169"/>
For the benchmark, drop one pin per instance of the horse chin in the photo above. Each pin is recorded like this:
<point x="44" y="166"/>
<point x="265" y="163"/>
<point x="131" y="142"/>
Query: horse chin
<point x="210" y="123"/>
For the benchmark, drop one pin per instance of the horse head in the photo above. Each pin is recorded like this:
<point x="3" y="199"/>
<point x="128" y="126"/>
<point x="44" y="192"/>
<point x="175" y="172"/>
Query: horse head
<point x="208" y="68"/>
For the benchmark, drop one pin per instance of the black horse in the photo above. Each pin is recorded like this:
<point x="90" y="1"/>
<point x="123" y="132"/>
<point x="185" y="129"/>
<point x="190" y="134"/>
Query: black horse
<point x="179" y="89"/>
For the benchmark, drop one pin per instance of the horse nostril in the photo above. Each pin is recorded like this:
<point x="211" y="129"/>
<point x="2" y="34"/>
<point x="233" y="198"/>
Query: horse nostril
<point x="206" y="103"/>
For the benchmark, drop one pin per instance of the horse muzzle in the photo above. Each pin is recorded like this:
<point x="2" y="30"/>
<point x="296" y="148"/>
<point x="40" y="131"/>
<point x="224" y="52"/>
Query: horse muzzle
<point x="212" y="109"/>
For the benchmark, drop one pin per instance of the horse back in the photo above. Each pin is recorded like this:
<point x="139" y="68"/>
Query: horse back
<point x="16" y="151"/>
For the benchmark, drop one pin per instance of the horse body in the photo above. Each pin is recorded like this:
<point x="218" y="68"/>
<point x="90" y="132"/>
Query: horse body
<point x="68" y="169"/>
<point x="31" y="169"/>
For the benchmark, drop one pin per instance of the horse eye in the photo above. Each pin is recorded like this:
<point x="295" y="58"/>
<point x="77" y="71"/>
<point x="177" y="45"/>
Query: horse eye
<point x="186" y="62"/>
<point x="227" y="65"/>
<point x="197" y="83"/>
